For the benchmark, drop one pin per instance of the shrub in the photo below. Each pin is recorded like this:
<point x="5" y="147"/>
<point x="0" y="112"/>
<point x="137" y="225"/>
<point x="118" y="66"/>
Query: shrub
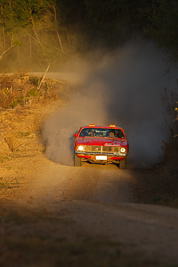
<point x="170" y="146"/>
<point x="20" y="89"/>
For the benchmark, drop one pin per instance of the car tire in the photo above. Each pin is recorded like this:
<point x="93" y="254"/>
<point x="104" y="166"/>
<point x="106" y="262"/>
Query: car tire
<point x="122" y="164"/>
<point x="77" y="161"/>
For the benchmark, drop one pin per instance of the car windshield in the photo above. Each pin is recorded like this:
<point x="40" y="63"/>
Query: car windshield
<point x="101" y="132"/>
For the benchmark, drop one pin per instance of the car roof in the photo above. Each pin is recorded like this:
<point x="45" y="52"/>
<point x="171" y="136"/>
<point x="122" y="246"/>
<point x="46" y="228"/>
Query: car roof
<point x="111" y="126"/>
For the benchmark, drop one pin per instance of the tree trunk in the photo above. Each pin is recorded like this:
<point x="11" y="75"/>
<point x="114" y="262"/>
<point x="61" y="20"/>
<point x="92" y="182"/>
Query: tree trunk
<point x="60" y="42"/>
<point x="34" y="30"/>
<point x="59" y="38"/>
<point x="4" y="38"/>
<point x="30" y="46"/>
<point x="6" y="50"/>
<point x="38" y="88"/>
<point x="68" y="39"/>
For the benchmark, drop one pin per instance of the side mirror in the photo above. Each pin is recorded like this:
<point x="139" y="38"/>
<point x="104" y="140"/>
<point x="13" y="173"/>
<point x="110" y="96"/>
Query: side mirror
<point x="75" y="135"/>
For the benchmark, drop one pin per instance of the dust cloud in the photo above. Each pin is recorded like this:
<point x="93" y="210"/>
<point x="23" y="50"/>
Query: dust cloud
<point x="122" y="87"/>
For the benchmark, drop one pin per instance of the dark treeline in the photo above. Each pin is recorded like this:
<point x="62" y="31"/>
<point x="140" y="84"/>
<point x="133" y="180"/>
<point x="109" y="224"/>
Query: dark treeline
<point x="106" y="22"/>
<point x="34" y="33"/>
<point x="113" y="22"/>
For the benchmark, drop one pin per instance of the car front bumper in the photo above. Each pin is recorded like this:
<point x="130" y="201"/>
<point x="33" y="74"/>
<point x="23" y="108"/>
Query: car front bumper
<point x="101" y="157"/>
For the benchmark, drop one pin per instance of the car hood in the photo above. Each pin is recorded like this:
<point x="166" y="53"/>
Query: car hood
<point x="101" y="141"/>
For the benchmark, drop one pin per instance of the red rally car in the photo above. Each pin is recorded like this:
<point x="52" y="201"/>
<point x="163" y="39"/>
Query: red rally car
<point x="101" y="144"/>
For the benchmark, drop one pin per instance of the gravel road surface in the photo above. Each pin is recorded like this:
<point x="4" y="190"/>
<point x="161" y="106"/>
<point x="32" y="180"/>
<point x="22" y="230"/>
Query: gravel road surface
<point x="101" y="200"/>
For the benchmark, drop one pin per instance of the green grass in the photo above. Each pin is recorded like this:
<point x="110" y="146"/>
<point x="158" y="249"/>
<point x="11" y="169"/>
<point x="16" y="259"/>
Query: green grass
<point x="3" y="186"/>
<point x="33" y="92"/>
<point x="22" y="134"/>
<point x="6" y="185"/>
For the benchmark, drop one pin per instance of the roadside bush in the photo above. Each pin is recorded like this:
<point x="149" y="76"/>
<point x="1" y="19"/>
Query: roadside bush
<point x="20" y="89"/>
<point x="11" y="142"/>
<point x="177" y="114"/>
<point x="170" y="146"/>
<point x="34" y="80"/>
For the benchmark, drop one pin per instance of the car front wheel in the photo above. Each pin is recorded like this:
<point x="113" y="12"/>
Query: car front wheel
<point x="77" y="161"/>
<point x="122" y="164"/>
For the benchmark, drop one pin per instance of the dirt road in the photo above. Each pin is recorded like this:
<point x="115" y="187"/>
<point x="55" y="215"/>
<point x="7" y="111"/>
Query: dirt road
<point x="84" y="216"/>
<point x="90" y="182"/>
<point x="99" y="203"/>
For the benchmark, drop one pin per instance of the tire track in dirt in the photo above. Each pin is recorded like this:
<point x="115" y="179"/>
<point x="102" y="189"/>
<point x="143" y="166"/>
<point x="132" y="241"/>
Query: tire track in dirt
<point x="91" y="182"/>
<point x="92" y="200"/>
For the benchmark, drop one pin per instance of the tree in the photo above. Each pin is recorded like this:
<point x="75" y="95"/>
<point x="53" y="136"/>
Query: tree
<point x="104" y="22"/>
<point x="34" y="24"/>
<point x="163" y="24"/>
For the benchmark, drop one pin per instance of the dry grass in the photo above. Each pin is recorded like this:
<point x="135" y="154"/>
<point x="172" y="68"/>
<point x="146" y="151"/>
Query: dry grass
<point x="20" y="90"/>
<point x="11" y="142"/>
<point x="20" y="126"/>
<point x="23" y="108"/>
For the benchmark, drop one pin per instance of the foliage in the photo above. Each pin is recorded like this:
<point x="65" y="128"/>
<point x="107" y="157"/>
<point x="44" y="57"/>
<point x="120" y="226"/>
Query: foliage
<point x="177" y="111"/>
<point x="170" y="147"/>
<point x="36" y="33"/>
<point x="163" y="24"/>
<point x="104" y="22"/>
<point x="22" y="90"/>
<point x="110" y="23"/>
<point x="34" y="26"/>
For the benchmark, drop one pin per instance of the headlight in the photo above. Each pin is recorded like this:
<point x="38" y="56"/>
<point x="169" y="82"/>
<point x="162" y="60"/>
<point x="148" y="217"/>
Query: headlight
<point x="80" y="148"/>
<point x="123" y="150"/>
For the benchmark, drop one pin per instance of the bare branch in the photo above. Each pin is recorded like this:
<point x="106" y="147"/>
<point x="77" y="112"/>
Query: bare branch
<point x="38" y="88"/>
<point x="6" y="50"/>
<point x="60" y="42"/>
<point x="34" y="30"/>
<point x="58" y="36"/>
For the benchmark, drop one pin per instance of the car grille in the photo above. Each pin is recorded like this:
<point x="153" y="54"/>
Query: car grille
<point x="102" y="149"/>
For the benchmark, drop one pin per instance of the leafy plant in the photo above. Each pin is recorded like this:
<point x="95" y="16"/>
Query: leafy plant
<point x="170" y="147"/>
<point x="20" y="89"/>
<point x="30" y="34"/>
<point x="34" y="80"/>
<point x="14" y="103"/>
<point x="33" y="92"/>
<point x="162" y="24"/>
<point x="11" y="142"/>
